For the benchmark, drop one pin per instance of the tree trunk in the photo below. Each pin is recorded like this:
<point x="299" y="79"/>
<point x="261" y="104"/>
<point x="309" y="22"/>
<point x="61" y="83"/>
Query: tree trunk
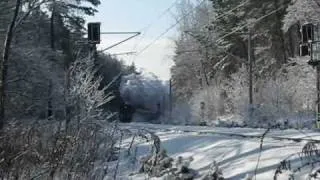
<point x="67" y="64"/>
<point x="278" y="38"/>
<point x="49" y="100"/>
<point x="66" y="94"/>
<point x="4" y="63"/>
<point x="52" y="43"/>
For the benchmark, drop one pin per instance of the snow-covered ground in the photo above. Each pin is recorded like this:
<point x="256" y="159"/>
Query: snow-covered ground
<point x="236" y="155"/>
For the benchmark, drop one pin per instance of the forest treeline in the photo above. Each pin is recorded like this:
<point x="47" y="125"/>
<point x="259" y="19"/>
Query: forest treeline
<point x="211" y="71"/>
<point x="57" y="101"/>
<point x="47" y="39"/>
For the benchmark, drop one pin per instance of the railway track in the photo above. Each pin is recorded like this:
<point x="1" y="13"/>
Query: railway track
<point x="311" y="136"/>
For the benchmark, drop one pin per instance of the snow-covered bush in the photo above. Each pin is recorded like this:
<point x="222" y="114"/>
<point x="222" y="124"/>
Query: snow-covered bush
<point x="215" y="173"/>
<point x="159" y="164"/>
<point x="85" y="96"/>
<point x="301" y="165"/>
<point x="165" y="168"/>
<point x="288" y="97"/>
<point x="44" y="149"/>
<point x="215" y="101"/>
<point x="205" y="104"/>
<point x="237" y="92"/>
<point x="39" y="149"/>
<point x="181" y="114"/>
<point x="156" y="164"/>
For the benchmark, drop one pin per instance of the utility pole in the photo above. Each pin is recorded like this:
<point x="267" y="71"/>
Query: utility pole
<point x="318" y="96"/>
<point x="250" y="73"/>
<point x="203" y="66"/>
<point x="170" y="99"/>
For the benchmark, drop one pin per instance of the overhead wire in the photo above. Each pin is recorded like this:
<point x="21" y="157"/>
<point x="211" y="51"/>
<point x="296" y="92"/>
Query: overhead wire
<point x="229" y="11"/>
<point x="217" y="18"/>
<point x="146" y="28"/>
<point x="180" y="19"/>
<point x="157" y="38"/>
<point x="217" y="41"/>
<point x="245" y="25"/>
<point x="241" y="27"/>
<point x="256" y="21"/>
<point x="168" y="29"/>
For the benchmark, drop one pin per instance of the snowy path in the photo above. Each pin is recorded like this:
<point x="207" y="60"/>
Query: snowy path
<point x="236" y="155"/>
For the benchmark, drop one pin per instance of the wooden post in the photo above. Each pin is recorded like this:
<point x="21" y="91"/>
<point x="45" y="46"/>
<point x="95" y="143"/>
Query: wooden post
<point x="202" y="109"/>
<point x="318" y="96"/>
<point x="250" y="74"/>
<point x="250" y="68"/>
<point x="170" y="100"/>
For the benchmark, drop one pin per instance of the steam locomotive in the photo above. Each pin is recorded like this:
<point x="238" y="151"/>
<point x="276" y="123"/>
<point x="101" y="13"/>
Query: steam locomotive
<point x="126" y="112"/>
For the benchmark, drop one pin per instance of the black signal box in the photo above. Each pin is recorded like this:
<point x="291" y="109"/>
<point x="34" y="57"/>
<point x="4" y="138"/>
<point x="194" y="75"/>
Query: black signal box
<point x="94" y="33"/>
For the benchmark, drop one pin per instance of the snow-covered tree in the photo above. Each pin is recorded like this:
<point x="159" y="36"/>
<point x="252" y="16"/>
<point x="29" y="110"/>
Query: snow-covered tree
<point x="300" y="12"/>
<point x="217" y="36"/>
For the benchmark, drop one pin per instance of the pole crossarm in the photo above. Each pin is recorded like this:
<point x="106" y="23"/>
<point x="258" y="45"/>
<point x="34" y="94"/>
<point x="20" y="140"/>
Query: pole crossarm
<point x="135" y="34"/>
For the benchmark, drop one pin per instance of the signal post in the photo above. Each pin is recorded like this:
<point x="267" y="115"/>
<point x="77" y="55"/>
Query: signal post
<point x="310" y="46"/>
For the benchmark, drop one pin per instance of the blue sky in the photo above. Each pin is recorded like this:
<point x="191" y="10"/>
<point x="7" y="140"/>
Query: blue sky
<point x="134" y="15"/>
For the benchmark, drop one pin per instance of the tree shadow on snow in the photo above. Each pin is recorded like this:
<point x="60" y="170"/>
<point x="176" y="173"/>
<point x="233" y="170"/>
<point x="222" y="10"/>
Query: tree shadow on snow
<point x="239" y="156"/>
<point x="261" y="170"/>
